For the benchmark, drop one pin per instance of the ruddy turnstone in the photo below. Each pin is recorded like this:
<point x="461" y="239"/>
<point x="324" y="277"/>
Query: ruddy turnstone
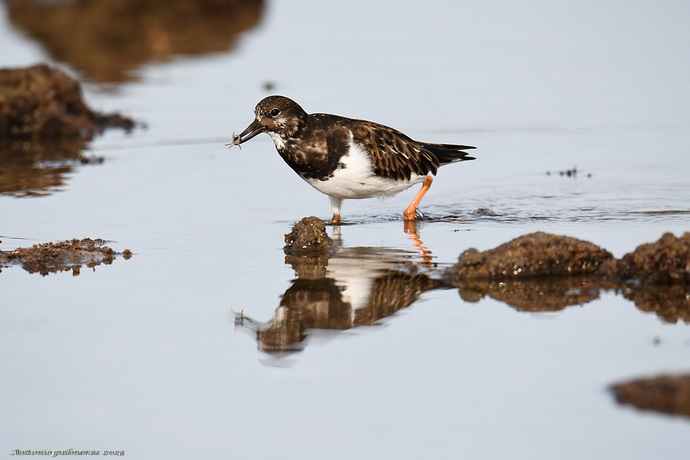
<point x="346" y="158"/>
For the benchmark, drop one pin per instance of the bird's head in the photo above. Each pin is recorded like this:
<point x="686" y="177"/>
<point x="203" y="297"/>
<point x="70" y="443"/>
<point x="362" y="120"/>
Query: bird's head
<point x="278" y="116"/>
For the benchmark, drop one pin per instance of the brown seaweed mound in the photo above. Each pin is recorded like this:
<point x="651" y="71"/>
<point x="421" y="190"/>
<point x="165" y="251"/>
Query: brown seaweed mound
<point x="308" y="238"/>
<point x="666" y="261"/>
<point x="62" y="256"/>
<point x="42" y="101"/>
<point x="308" y="247"/>
<point x="530" y="256"/>
<point x="542" y="255"/>
<point x="539" y="271"/>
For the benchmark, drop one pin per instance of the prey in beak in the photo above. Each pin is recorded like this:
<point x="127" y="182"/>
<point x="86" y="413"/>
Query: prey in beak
<point x="252" y="130"/>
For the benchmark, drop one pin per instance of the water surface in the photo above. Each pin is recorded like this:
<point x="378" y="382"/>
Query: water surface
<point x="144" y="355"/>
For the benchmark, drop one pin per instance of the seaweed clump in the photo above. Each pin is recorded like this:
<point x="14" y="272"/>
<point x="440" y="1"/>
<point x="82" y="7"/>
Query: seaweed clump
<point x="544" y="272"/>
<point x="61" y="256"/>
<point x="534" y="255"/>
<point x="43" y="102"/>
<point x="666" y="261"/>
<point x="308" y="247"/>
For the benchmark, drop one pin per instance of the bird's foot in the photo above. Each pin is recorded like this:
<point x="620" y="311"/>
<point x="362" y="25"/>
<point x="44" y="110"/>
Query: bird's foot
<point x="411" y="215"/>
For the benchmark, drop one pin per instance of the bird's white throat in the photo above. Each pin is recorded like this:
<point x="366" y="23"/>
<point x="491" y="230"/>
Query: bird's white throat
<point x="277" y="140"/>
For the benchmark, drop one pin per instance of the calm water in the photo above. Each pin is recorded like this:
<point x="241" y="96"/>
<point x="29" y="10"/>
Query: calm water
<point x="145" y="355"/>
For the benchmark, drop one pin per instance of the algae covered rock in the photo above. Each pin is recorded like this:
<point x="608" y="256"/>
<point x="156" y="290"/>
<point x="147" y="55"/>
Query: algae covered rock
<point x="308" y="237"/>
<point x="533" y="255"/>
<point x="62" y="256"/>
<point x="44" y="102"/>
<point x="666" y="261"/>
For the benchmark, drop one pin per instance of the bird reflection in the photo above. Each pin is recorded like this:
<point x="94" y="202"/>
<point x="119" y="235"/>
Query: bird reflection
<point x="357" y="286"/>
<point x="411" y="230"/>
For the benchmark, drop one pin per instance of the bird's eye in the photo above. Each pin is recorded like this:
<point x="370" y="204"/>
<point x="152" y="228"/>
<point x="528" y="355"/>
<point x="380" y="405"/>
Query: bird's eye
<point x="275" y="112"/>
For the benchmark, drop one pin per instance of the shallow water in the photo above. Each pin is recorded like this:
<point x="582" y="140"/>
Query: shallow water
<point x="146" y="356"/>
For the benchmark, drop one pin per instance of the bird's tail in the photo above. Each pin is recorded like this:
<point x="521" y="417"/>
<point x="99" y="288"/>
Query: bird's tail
<point x="449" y="153"/>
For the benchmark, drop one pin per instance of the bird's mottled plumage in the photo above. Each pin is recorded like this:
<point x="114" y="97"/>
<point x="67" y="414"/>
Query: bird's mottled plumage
<point x="348" y="158"/>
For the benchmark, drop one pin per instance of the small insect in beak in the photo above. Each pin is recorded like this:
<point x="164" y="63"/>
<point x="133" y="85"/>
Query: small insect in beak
<point x="236" y="140"/>
<point x="252" y="130"/>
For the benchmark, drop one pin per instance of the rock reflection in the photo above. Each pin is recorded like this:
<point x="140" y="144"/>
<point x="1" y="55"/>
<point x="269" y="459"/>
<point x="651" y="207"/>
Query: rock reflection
<point x="31" y="167"/>
<point x="670" y="303"/>
<point x="543" y="295"/>
<point x="667" y="394"/>
<point x="107" y="40"/>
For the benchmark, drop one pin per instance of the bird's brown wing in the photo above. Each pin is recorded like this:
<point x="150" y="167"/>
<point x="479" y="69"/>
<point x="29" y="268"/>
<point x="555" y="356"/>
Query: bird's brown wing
<point x="393" y="154"/>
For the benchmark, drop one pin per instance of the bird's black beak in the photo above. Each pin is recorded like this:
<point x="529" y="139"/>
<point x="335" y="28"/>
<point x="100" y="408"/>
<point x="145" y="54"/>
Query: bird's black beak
<point x="252" y="130"/>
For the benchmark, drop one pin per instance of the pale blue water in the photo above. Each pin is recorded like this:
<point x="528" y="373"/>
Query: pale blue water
<point x="143" y="355"/>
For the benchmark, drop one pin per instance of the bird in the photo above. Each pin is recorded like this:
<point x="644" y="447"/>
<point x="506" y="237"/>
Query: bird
<point x="347" y="158"/>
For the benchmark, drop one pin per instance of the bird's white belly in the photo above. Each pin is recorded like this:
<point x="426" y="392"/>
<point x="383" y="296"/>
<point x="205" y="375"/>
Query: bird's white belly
<point x="356" y="179"/>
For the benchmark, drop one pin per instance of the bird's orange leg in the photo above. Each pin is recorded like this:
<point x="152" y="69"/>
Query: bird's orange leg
<point x="411" y="211"/>
<point x="336" y="203"/>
